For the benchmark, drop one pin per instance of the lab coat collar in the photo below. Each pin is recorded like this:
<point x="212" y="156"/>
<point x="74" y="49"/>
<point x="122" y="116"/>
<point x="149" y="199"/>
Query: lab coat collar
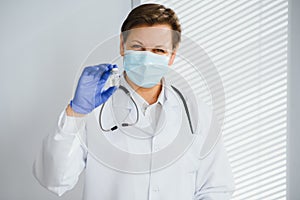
<point x="161" y="98"/>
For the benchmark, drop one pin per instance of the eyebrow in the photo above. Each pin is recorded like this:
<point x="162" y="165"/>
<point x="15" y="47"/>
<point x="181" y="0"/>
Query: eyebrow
<point x="157" y="46"/>
<point x="137" y="41"/>
<point x="162" y="46"/>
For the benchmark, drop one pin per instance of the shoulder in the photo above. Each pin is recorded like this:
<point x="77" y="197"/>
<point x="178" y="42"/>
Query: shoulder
<point x="201" y="113"/>
<point x="204" y="120"/>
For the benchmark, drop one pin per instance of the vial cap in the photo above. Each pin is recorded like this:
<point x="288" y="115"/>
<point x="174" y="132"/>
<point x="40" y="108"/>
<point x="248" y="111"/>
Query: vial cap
<point x="114" y="69"/>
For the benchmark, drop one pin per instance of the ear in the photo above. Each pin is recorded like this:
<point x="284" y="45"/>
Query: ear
<point x="121" y="45"/>
<point x="172" y="58"/>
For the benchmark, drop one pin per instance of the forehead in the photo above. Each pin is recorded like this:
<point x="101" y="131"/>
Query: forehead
<point x="151" y="35"/>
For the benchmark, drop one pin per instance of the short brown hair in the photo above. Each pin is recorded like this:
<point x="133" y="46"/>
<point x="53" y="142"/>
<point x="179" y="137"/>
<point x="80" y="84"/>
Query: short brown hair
<point x="153" y="14"/>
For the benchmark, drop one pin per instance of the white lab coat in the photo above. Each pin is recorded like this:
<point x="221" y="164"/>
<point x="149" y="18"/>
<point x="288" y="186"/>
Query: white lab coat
<point x="64" y="155"/>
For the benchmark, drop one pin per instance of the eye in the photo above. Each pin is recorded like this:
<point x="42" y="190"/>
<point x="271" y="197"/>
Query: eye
<point x="136" y="47"/>
<point x="160" y="51"/>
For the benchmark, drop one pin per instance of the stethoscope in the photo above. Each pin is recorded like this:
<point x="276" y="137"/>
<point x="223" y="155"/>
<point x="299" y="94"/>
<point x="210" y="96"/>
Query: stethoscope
<point x="126" y="124"/>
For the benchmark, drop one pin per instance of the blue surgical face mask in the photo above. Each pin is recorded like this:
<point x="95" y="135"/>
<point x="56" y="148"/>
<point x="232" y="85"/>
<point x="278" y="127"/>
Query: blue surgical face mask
<point x="145" y="68"/>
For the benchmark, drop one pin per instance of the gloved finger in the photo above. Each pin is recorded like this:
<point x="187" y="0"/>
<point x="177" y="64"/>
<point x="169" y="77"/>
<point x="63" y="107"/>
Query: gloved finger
<point x="106" y="75"/>
<point x="106" y="94"/>
<point x="98" y="70"/>
<point x="105" y="67"/>
<point x="110" y="66"/>
<point x="91" y="70"/>
<point x="87" y="70"/>
<point x="91" y="73"/>
<point x="102" y="80"/>
<point x="102" y="69"/>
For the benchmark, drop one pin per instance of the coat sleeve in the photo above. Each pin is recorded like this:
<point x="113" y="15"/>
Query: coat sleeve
<point x="62" y="158"/>
<point x="214" y="178"/>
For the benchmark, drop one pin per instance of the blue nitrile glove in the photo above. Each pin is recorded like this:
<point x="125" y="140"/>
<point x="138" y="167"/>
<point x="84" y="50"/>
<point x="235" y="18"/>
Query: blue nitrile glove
<point x="89" y="92"/>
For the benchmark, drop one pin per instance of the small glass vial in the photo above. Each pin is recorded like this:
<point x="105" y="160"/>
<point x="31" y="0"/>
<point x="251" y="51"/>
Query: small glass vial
<point x="114" y="79"/>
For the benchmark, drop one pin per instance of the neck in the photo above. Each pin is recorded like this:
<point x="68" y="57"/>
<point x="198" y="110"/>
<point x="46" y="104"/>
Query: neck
<point x="149" y="94"/>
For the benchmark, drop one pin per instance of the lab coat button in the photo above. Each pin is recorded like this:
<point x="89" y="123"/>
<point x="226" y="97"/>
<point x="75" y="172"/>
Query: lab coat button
<point x="156" y="147"/>
<point x="155" y="188"/>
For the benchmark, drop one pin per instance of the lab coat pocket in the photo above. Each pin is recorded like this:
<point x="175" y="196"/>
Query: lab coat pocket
<point x="191" y="164"/>
<point x="191" y="175"/>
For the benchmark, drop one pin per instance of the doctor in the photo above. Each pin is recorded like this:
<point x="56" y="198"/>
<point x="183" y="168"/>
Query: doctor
<point x="148" y="43"/>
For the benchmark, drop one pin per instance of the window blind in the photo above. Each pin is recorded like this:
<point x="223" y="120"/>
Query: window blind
<point x="247" y="42"/>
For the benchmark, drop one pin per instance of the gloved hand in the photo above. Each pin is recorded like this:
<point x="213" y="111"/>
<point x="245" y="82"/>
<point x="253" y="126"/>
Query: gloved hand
<point x="89" y="92"/>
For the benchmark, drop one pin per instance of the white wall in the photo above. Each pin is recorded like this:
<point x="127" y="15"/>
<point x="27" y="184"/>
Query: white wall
<point x="42" y="44"/>
<point x="294" y="99"/>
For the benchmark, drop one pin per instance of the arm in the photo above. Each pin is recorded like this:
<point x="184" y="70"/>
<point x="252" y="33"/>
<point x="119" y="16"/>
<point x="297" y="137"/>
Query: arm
<point x="62" y="158"/>
<point x="214" y="176"/>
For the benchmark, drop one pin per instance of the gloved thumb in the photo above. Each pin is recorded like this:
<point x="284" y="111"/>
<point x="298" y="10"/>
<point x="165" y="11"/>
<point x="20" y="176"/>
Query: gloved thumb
<point x="103" y="96"/>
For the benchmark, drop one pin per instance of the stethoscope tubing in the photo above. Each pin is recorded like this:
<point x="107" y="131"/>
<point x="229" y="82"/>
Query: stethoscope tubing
<point x="126" y="124"/>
